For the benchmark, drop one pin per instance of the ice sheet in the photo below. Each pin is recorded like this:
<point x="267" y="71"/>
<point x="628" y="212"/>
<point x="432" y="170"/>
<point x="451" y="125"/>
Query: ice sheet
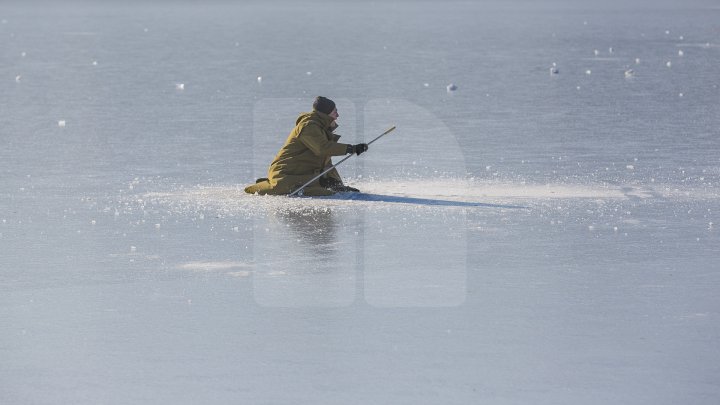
<point x="526" y="238"/>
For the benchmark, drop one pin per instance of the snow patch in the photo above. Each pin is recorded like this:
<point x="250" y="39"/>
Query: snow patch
<point x="208" y="266"/>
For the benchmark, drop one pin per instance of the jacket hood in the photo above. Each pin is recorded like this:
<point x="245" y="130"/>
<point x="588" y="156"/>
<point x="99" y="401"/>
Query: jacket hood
<point x="317" y="116"/>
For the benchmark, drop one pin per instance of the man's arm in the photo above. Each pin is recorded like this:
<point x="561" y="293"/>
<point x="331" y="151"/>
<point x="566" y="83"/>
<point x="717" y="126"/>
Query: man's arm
<point x="314" y="138"/>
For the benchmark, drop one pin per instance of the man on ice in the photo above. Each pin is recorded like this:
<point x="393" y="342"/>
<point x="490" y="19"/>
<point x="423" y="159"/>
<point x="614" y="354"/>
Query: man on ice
<point x="306" y="153"/>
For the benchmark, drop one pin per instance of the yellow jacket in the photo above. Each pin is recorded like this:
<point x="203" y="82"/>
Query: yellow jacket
<point x="305" y="154"/>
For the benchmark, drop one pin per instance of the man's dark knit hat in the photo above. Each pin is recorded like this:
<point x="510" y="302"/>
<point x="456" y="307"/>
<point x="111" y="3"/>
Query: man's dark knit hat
<point x="324" y="105"/>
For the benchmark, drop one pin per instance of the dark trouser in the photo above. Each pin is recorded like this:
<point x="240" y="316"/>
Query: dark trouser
<point x="336" y="185"/>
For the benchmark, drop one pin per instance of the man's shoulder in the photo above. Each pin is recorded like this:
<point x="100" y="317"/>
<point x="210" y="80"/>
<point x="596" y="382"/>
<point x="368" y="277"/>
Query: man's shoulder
<point x="308" y="118"/>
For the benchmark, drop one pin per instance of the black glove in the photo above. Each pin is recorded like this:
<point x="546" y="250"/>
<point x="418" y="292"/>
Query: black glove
<point x="358" y="149"/>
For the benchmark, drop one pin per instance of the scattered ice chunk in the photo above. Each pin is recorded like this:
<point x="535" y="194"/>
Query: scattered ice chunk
<point x="629" y="73"/>
<point x="588" y="72"/>
<point x="94" y="63"/>
<point x="680" y="95"/>
<point x="637" y="61"/>
<point x="667" y="32"/>
<point x="426" y="84"/>
<point x="61" y="123"/>
<point x="610" y="50"/>
<point x="682" y="38"/>
<point x="451" y="87"/>
<point x="180" y="86"/>
<point x="596" y="52"/>
<point x="145" y="30"/>
<point x="630" y="167"/>
<point x="309" y="73"/>
<point x="668" y="64"/>
<point x="93" y="222"/>
<point x="23" y="54"/>
<point x="680" y="52"/>
<point x="157" y="226"/>
<point x="133" y="249"/>
<point x="259" y="79"/>
<point x="17" y="78"/>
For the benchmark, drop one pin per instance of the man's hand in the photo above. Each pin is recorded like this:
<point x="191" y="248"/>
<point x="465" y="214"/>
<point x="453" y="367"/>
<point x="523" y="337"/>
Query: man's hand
<point x="357" y="149"/>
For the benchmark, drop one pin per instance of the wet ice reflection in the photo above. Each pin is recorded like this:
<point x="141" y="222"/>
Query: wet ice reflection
<point x="304" y="257"/>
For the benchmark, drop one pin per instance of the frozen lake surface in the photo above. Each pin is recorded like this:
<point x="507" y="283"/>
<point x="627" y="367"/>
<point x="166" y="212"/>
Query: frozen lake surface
<point x="529" y="237"/>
